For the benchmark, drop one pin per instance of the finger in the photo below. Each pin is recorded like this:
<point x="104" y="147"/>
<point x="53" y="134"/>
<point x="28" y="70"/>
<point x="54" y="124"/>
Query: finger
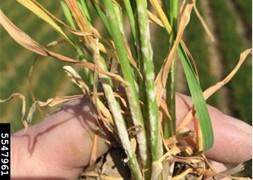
<point x="59" y="146"/>
<point x="232" y="137"/>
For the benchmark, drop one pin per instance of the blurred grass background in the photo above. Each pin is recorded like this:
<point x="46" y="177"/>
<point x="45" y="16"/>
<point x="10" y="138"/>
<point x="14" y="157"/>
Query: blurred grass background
<point x="229" y="20"/>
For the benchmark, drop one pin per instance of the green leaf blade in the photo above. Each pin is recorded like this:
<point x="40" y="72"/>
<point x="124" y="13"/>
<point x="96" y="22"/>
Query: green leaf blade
<point x="198" y="101"/>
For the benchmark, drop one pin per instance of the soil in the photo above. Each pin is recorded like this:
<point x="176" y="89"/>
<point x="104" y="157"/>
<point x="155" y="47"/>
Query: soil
<point x="111" y="165"/>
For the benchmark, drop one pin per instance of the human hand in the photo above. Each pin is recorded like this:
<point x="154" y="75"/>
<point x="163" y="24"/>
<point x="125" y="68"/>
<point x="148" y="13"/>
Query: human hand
<point x="60" y="146"/>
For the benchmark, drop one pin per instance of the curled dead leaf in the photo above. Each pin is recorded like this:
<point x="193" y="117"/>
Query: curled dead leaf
<point x="23" y="107"/>
<point x="76" y="78"/>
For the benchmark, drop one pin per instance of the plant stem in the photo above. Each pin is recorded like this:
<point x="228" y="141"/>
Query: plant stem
<point x="148" y="71"/>
<point x="170" y="123"/>
<point x="119" y="121"/>
<point x="131" y="89"/>
<point x="132" y="22"/>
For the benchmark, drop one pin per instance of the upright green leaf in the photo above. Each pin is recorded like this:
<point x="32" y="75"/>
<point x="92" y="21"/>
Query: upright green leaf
<point x="198" y="101"/>
<point x="148" y="71"/>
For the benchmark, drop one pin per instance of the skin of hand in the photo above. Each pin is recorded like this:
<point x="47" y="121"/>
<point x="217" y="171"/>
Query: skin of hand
<point x="60" y="146"/>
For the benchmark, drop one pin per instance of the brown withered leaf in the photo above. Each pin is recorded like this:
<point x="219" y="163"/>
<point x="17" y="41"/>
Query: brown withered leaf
<point x="50" y="102"/>
<point x="162" y="76"/>
<point x="76" y="78"/>
<point x="203" y="23"/>
<point x="21" y="37"/>
<point x="23" y="108"/>
<point x="212" y="89"/>
<point x="81" y="21"/>
<point x="153" y="18"/>
<point x="27" y="42"/>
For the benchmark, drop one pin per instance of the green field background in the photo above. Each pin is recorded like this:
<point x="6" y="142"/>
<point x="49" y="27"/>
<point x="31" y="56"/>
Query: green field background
<point x="231" y="22"/>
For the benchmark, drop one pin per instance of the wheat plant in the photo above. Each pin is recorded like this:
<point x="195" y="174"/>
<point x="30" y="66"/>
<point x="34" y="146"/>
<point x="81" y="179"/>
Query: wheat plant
<point x="117" y="72"/>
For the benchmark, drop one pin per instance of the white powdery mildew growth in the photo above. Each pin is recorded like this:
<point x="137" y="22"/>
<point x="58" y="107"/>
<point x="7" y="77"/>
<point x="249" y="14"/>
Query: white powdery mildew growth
<point x="147" y="55"/>
<point x="114" y="106"/>
<point x="141" y="141"/>
<point x="150" y="76"/>
<point x="145" y="51"/>
<point x="152" y="94"/>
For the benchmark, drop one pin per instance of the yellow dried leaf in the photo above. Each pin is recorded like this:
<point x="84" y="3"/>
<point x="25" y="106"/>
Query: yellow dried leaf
<point x="50" y="102"/>
<point x="162" y="15"/>
<point x="42" y="13"/>
<point x="164" y="108"/>
<point x="77" y="14"/>
<point x="76" y="78"/>
<point x="62" y="99"/>
<point x="202" y="21"/>
<point x="211" y="90"/>
<point x="122" y="100"/>
<point x="81" y="21"/>
<point x="155" y="19"/>
<point x="104" y="111"/>
<point x="162" y="76"/>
